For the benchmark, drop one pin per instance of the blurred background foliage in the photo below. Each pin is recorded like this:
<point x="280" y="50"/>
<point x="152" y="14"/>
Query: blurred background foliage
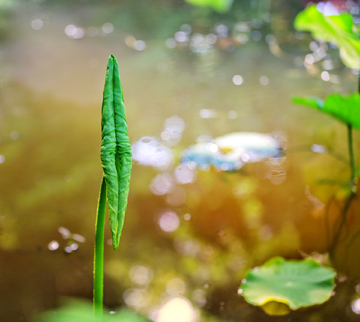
<point x="189" y="236"/>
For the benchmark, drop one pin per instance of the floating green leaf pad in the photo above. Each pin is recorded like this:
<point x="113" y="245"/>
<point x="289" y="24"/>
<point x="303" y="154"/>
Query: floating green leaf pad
<point x="339" y="30"/>
<point x="80" y="311"/>
<point x="294" y="283"/>
<point x="220" y="6"/>
<point x="345" y="109"/>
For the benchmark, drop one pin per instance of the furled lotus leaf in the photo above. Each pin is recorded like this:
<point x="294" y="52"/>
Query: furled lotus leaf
<point x="339" y="30"/>
<point x="220" y="6"/>
<point x="344" y="108"/>
<point x="292" y="283"/>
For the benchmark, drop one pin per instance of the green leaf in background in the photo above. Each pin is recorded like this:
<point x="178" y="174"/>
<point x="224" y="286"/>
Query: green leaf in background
<point x="294" y="284"/>
<point x="339" y="30"/>
<point x="220" y="6"/>
<point x="345" y="109"/>
<point x="115" y="152"/>
<point x="81" y="311"/>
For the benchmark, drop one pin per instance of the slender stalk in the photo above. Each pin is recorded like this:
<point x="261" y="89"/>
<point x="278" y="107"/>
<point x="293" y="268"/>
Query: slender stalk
<point x="326" y="219"/>
<point x="99" y="251"/>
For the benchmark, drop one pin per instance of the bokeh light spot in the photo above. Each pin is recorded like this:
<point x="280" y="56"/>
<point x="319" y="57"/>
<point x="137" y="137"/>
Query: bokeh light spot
<point x="169" y="221"/>
<point x="141" y="275"/>
<point x="325" y="76"/>
<point x="161" y="184"/>
<point x="181" y="36"/>
<point x="107" y="28"/>
<point x="176" y="286"/>
<point x="148" y="151"/>
<point x="177" y="309"/>
<point x="211" y="39"/>
<point x="54" y="245"/>
<point x="232" y="115"/>
<point x="237" y="80"/>
<point x="37" y="24"/>
<point x="139" y="45"/>
<point x="256" y="35"/>
<point x="186" y="28"/>
<point x="170" y="43"/>
<point x="222" y="30"/>
<point x="355" y="306"/>
<point x="14" y="135"/>
<point x="176" y="197"/>
<point x="135" y="297"/>
<point x="207" y="113"/>
<point x="264" y="80"/>
<point x="184" y="174"/>
<point x="270" y="39"/>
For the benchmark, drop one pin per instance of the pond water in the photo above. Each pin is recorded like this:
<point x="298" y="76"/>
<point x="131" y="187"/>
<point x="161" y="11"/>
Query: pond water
<point x="190" y="233"/>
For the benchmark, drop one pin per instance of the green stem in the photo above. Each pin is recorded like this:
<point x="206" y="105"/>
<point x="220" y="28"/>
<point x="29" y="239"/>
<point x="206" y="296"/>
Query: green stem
<point x="99" y="251"/>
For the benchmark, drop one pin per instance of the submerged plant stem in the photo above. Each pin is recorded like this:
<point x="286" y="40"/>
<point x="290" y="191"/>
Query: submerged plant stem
<point x="99" y="251"/>
<point x="352" y="195"/>
<point x="342" y="223"/>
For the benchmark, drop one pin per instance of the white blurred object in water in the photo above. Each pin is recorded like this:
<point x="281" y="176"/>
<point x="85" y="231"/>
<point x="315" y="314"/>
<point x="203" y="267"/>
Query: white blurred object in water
<point x="230" y="152"/>
<point x="148" y="151"/>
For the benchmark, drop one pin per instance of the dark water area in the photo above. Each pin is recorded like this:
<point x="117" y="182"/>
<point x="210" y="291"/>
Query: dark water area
<point x="189" y="234"/>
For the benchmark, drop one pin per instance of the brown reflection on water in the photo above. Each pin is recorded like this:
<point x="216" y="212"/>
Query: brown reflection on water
<point x="191" y="234"/>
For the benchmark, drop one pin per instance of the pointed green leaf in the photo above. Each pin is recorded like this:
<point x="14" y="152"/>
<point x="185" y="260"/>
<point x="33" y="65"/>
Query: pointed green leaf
<point x="294" y="283"/>
<point x="339" y="30"/>
<point x="345" y="109"/>
<point x="220" y="6"/>
<point x="115" y="149"/>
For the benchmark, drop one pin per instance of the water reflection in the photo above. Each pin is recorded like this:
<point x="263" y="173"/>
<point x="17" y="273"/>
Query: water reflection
<point x="72" y="241"/>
